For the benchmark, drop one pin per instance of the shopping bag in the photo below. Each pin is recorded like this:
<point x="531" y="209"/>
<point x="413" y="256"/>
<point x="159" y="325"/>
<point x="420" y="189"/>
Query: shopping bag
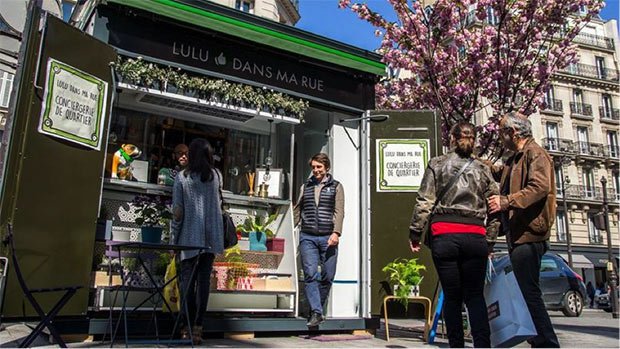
<point x="509" y="318"/>
<point x="171" y="290"/>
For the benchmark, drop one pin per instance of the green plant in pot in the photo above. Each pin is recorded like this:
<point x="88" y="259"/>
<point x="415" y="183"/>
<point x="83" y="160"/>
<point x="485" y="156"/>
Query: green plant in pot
<point x="153" y="214"/>
<point x="405" y="275"/>
<point x="257" y="229"/>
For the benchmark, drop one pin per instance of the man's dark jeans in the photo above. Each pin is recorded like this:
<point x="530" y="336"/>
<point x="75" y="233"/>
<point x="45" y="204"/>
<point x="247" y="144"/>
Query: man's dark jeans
<point x="525" y="259"/>
<point x="461" y="261"/>
<point x="314" y="252"/>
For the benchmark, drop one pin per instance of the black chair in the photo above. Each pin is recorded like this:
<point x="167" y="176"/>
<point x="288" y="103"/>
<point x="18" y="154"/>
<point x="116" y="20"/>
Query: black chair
<point x="47" y="319"/>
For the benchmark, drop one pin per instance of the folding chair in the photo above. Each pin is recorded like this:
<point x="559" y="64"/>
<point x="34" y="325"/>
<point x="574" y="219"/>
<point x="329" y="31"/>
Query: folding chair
<point x="46" y="318"/>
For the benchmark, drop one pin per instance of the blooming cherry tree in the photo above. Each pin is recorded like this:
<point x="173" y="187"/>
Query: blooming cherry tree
<point x="465" y="56"/>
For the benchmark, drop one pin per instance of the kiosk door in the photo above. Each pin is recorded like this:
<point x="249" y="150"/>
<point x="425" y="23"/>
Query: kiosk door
<point x="52" y="160"/>
<point x="399" y="150"/>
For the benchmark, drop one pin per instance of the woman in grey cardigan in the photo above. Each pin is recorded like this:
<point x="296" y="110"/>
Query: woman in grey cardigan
<point x="197" y="221"/>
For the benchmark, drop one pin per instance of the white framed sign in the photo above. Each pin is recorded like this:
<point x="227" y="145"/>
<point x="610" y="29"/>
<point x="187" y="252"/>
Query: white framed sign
<point x="274" y="181"/>
<point x="401" y="164"/>
<point x="74" y="104"/>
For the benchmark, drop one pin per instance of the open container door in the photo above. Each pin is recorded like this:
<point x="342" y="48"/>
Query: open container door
<point x="53" y="161"/>
<point x="398" y="152"/>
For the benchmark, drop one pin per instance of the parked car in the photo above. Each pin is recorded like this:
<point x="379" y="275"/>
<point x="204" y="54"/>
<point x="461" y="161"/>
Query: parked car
<point x="603" y="300"/>
<point x="562" y="288"/>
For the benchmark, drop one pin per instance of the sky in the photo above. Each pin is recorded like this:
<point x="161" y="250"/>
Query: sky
<point x="323" y="17"/>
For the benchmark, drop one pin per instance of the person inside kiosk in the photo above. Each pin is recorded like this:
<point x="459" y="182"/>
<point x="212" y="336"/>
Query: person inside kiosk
<point x="166" y="174"/>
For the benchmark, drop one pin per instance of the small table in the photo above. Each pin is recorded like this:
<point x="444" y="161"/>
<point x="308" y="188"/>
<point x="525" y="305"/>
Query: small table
<point x="426" y="302"/>
<point x="149" y="246"/>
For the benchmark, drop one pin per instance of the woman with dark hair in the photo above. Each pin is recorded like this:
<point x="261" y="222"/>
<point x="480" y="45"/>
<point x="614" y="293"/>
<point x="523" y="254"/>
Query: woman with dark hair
<point x="197" y="221"/>
<point x="462" y="236"/>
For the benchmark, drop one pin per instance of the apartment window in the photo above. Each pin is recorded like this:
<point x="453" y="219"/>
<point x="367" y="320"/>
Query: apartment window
<point x="588" y="183"/>
<point x="558" y="180"/>
<point x="578" y="96"/>
<point x="612" y="143"/>
<point x="615" y="181"/>
<point x="594" y="234"/>
<point x="560" y="226"/>
<point x="491" y="18"/>
<point x="244" y="5"/>
<point x="552" y="135"/>
<point x="600" y="67"/>
<point x="582" y="140"/>
<point x="607" y="106"/>
<point x="549" y="98"/>
<point x="6" y="85"/>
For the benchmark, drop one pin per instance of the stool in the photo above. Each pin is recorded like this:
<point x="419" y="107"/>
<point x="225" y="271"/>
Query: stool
<point x="427" y="313"/>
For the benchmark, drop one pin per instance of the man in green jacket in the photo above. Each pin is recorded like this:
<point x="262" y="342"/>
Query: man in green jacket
<point x="527" y="203"/>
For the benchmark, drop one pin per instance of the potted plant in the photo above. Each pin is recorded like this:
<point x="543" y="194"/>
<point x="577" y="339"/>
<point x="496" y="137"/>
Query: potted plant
<point x="406" y="277"/>
<point x="153" y="214"/>
<point x="257" y="229"/>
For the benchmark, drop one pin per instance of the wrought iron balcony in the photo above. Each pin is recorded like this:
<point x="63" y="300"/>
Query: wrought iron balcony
<point x="582" y="109"/>
<point x="592" y="71"/>
<point x="612" y="151"/>
<point x="589" y="149"/>
<point x="611" y="114"/>
<point x="558" y="145"/>
<point x="553" y="105"/>
<point x="594" y="40"/>
<point x="596" y="238"/>
<point x="591" y="193"/>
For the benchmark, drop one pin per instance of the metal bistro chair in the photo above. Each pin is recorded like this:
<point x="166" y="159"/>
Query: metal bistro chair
<point x="46" y="318"/>
<point x="144" y="259"/>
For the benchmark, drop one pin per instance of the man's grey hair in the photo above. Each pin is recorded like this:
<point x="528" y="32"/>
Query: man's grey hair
<point x="520" y="123"/>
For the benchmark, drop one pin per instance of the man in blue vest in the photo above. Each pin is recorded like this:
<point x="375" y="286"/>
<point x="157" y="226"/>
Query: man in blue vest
<point x="320" y="210"/>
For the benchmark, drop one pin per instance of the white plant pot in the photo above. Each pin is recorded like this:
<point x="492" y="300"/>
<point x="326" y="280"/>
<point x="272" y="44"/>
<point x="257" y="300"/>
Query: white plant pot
<point x="414" y="291"/>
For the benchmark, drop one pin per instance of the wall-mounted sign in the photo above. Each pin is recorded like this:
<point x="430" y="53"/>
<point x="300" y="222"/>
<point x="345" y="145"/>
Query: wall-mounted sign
<point x="401" y="164"/>
<point x="73" y="105"/>
<point x="221" y="54"/>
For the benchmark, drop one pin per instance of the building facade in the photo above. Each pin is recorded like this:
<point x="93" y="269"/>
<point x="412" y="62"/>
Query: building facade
<point x="282" y="11"/>
<point x="579" y="128"/>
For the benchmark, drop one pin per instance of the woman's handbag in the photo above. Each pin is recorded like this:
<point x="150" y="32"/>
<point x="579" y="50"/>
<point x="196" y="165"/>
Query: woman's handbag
<point x="230" y="231"/>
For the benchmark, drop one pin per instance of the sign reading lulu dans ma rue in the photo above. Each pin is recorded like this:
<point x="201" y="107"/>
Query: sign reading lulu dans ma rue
<point x="401" y="164"/>
<point x="73" y="105"/>
<point x="233" y="57"/>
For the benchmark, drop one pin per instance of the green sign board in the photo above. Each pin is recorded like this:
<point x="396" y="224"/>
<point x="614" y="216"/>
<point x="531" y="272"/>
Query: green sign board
<point x="401" y="164"/>
<point x="74" y="105"/>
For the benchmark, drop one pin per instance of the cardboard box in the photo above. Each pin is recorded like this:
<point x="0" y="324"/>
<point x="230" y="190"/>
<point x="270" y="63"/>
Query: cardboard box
<point x="280" y="283"/>
<point x="103" y="279"/>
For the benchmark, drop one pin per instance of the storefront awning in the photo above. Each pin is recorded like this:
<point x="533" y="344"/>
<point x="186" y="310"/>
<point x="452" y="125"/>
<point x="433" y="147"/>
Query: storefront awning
<point x="579" y="261"/>
<point x="284" y="39"/>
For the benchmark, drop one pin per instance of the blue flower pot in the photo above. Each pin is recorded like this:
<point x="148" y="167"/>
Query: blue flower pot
<point x="151" y="234"/>
<point x="258" y="241"/>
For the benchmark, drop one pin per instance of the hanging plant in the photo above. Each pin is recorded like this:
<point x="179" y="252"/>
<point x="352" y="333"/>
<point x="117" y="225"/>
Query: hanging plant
<point x="137" y="71"/>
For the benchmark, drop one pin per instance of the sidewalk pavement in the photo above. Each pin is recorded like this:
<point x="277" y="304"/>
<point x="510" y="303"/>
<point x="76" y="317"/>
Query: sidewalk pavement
<point x="593" y="329"/>
<point x="404" y="333"/>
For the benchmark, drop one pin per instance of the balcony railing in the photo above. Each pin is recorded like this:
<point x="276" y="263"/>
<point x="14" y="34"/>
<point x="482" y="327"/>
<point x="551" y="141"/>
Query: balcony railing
<point x="554" y="105"/>
<point x="592" y="149"/>
<point x="558" y="144"/>
<point x="612" y="151"/>
<point x="570" y="147"/>
<point x="592" y="71"/>
<point x="594" y="40"/>
<point x="592" y="193"/>
<point x="596" y="239"/>
<point x="612" y="114"/>
<point x="580" y="109"/>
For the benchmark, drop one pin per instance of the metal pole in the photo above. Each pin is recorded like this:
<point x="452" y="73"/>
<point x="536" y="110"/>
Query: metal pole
<point x="569" y="245"/>
<point x="610" y="264"/>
